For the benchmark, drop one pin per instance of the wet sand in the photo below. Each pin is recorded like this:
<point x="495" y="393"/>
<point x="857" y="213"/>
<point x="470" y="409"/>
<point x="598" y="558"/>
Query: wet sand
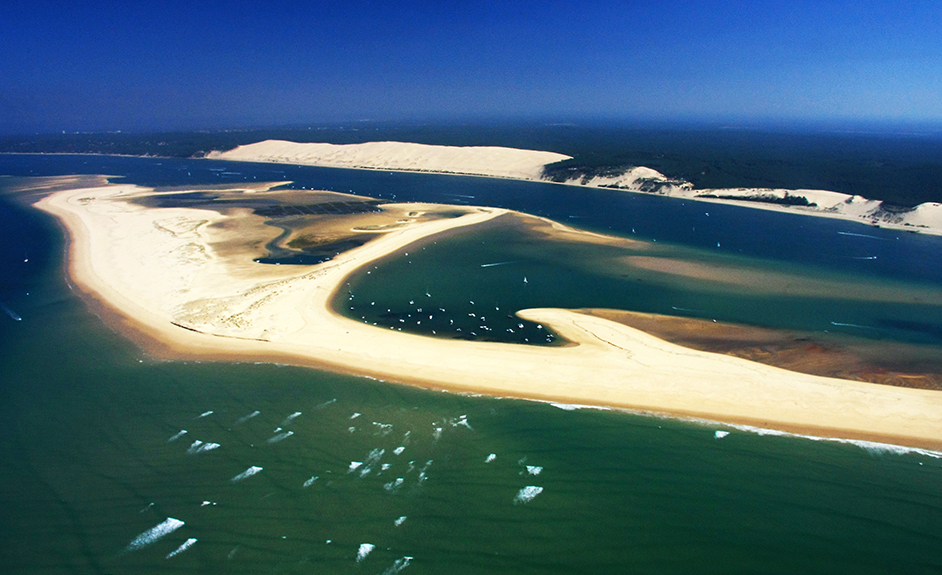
<point x="879" y="362"/>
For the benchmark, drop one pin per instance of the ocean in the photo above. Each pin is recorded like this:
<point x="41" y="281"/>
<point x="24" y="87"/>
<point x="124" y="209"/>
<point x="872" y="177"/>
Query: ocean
<point x="114" y="462"/>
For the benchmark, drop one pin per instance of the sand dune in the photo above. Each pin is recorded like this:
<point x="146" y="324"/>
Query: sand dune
<point x="489" y="161"/>
<point x="528" y="165"/>
<point x="162" y="272"/>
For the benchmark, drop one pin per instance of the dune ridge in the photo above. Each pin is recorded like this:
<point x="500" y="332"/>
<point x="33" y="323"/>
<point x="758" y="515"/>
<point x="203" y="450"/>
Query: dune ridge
<point x="491" y="161"/>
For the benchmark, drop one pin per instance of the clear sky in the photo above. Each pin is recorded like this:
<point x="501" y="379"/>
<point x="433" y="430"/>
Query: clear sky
<point x="85" y="65"/>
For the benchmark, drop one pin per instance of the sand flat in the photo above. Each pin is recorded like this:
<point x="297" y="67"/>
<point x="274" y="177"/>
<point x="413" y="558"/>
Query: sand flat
<point x="159" y="270"/>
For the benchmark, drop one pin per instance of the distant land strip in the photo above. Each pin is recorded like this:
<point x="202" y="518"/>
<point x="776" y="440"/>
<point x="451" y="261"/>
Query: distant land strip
<point x="534" y="165"/>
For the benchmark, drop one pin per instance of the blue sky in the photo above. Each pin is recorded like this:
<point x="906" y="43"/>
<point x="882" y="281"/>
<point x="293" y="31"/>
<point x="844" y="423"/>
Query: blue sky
<point x="178" y="65"/>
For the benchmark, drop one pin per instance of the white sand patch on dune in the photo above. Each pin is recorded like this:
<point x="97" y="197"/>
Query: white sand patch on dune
<point x="491" y="161"/>
<point x="925" y="218"/>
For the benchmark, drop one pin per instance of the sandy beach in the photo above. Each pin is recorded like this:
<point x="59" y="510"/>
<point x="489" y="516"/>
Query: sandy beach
<point x="183" y="283"/>
<point x="498" y="162"/>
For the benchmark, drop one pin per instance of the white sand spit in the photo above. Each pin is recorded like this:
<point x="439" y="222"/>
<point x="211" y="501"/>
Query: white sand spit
<point x="163" y="271"/>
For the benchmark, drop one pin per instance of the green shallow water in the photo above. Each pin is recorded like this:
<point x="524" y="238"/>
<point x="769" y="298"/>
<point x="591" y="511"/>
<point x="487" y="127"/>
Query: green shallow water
<point x="86" y="422"/>
<point x="88" y="465"/>
<point x="492" y="271"/>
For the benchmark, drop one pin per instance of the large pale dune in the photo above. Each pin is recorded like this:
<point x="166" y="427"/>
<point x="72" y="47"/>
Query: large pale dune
<point x="172" y="276"/>
<point x="491" y="161"/>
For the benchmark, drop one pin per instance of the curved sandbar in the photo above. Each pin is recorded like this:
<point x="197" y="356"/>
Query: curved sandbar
<point x="174" y="276"/>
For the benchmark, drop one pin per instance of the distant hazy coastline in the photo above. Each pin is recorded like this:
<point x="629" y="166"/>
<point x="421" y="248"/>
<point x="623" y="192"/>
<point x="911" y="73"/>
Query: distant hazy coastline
<point x="532" y="165"/>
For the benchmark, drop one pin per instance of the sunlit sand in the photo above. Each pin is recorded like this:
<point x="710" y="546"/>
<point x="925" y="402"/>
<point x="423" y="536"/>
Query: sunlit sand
<point x="184" y="283"/>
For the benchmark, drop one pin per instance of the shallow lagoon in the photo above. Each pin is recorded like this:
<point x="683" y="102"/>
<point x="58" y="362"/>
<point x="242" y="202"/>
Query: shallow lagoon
<point x="89" y="466"/>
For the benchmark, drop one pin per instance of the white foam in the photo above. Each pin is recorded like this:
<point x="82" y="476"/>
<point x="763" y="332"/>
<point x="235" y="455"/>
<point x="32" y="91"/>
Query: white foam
<point x="204" y="414"/>
<point x="186" y="545"/>
<point x="371" y="460"/>
<point x="720" y="434"/>
<point x="384" y="428"/>
<point x="394" y="486"/>
<point x="527" y="494"/>
<point x="154" y="533"/>
<point x="354" y="465"/>
<point x="200" y="447"/>
<point x="246" y="474"/>
<point x="177" y="436"/>
<point x="364" y="550"/>
<point x="385" y="466"/>
<point x="310" y="481"/>
<point x="280" y="437"/>
<point x="437" y="433"/>
<point x="355" y="415"/>
<point x="534" y="469"/>
<point x="397" y="566"/>
<point x="399" y="450"/>
<point x="575" y="406"/>
<point x="242" y="420"/>
<point x="325" y="404"/>
<point x="871" y="446"/>
<point x="290" y="418"/>
<point x="399" y="521"/>
<point x="490" y="458"/>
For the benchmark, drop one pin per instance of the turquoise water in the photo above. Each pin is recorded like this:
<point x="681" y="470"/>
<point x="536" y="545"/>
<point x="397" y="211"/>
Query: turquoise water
<point x="90" y="464"/>
<point x="473" y="282"/>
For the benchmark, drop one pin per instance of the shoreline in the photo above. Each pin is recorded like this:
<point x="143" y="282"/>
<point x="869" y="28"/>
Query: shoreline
<point x="935" y="229"/>
<point x="528" y="169"/>
<point x="283" y="315"/>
